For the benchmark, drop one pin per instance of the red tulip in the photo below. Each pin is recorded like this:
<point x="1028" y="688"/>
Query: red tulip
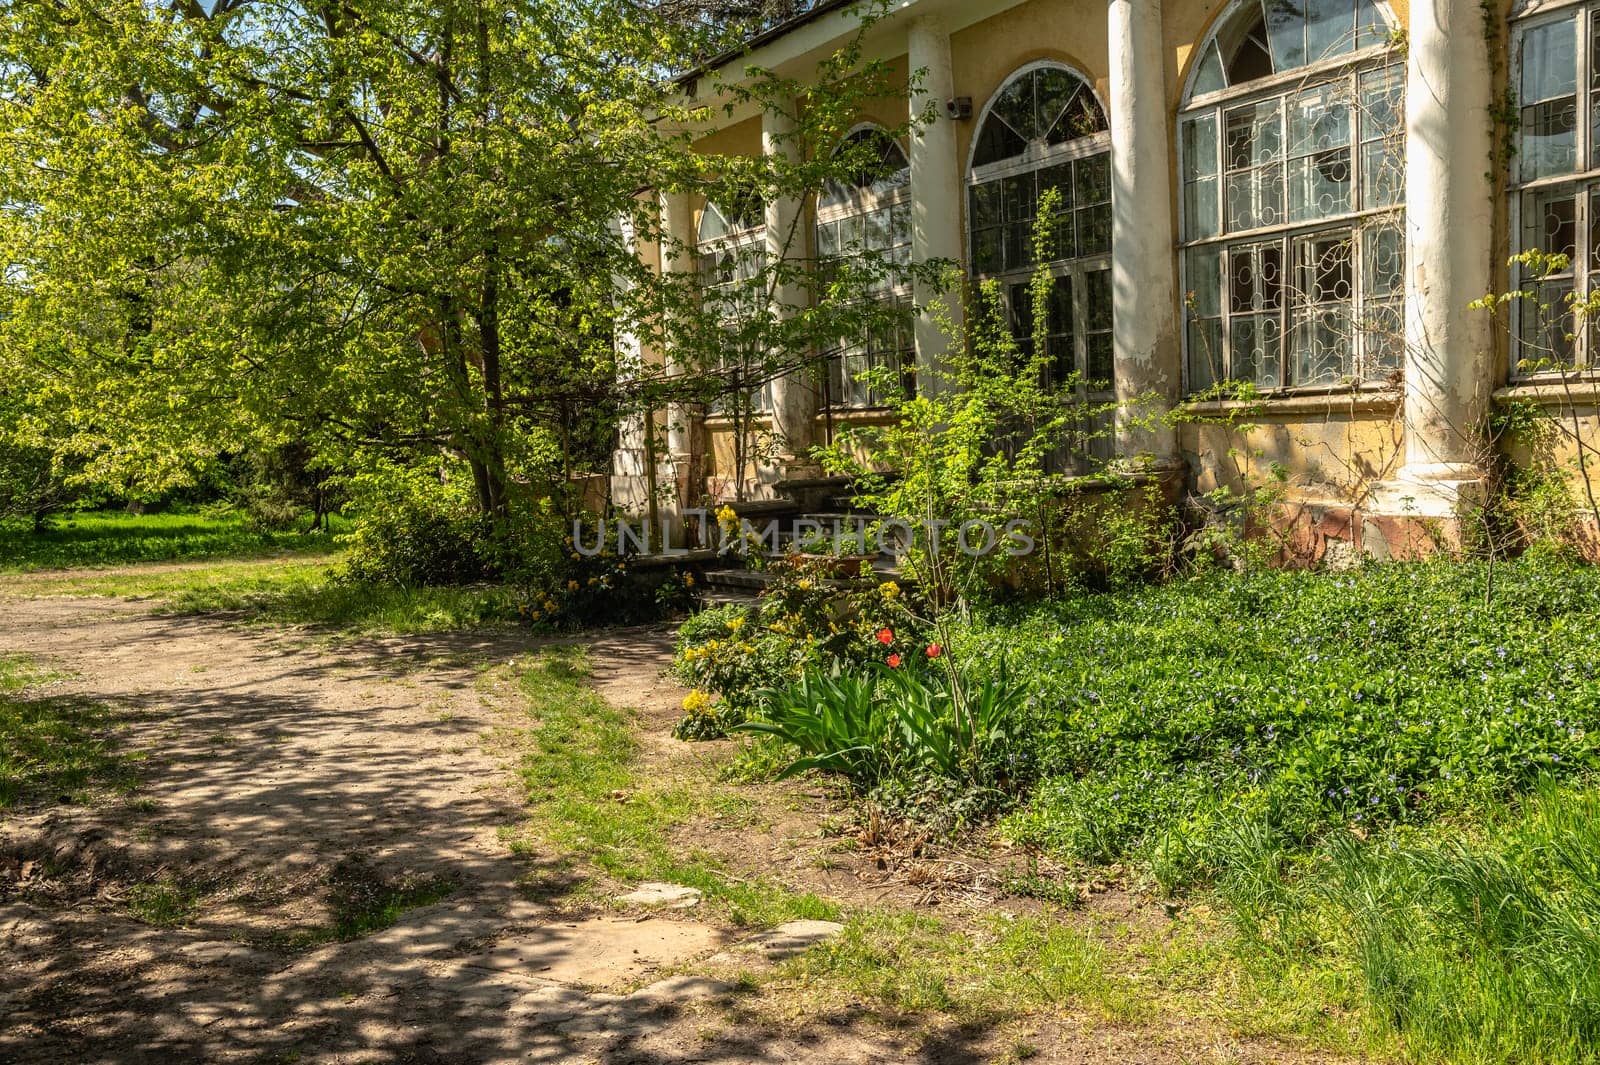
<point x="934" y="650"/>
<point x="894" y="661"/>
<point x="886" y="636"/>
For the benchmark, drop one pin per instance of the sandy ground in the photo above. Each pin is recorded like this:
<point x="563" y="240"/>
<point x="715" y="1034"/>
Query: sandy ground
<point x="283" y="774"/>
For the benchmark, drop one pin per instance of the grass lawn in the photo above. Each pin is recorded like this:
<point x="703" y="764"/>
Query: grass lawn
<point x="116" y="538"/>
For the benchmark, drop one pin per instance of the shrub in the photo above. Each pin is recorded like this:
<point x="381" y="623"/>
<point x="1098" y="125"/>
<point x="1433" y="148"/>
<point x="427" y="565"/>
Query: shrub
<point x="411" y="528"/>
<point x="804" y="620"/>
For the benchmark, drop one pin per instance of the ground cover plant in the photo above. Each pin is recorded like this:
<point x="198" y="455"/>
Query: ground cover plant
<point x="1339" y="764"/>
<point x="1300" y="702"/>
<point x="114" y="538"/>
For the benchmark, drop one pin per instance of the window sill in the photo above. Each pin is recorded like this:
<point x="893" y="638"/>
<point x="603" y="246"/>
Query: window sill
<point x="1285" y="404"/>
<point x="1552" y="391"/>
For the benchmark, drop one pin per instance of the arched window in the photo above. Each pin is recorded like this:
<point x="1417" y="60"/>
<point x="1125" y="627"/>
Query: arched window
<point x="731" y="250"/>
<point x="1293" y="254"/>
<point x="1555" y="176"/>
<point x="1045" y="130"/>
<point x="869" y="215"/>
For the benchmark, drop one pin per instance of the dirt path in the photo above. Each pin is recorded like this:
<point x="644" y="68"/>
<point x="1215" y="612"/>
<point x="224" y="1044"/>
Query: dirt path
<point x="291" y="785"/>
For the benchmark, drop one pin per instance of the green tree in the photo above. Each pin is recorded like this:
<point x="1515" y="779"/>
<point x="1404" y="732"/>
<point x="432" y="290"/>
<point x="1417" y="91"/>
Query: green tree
<point x="387" y="230"/>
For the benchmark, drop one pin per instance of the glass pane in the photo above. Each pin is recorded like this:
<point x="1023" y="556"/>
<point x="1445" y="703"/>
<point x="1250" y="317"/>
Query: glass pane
<point x="1055" y="88"/>
<point x="1383" y="335"/>
<point x="1094" y="230"/>
<point x="1321" y="343"/>
<point x="1548" y="140"/>
<point x="827" y="240"/>
<point x="1257" y="349"/>
<point x="1383" y="262"/>
<point x="1320" y="347"/>
<point x="984" y="205"/>
<point x="997" y="141"/>
<point x="1382" y="103"/>
<point x="1205" y="353"/>
<point x="1319" y="186"/>
<point x="1550" y="222"/>
<point x="1202" y="278"/>
<point x="986" y="253"/>
<point x="1255" y="135"/>
<point x="1255" y="179"/>
<point x="1323" y="269"/>
<point x="1286" y="34"/>
<point x="1255" y="277"/>
<point x="1548" y="92"/>
<point x="1209" y="77"/>
<point x="1330" y="28"/>
<point x="1200" y="209"/>
<point x="1200" y="145"/>
<point x="1092" y="179"/>
<point x="1549" y="61"/>
<point x="1057" y="177"/>
<point x="1097" y="312"/>
<point x="877" y="236"/>
<point x="1015" y="107"/>
<point x="1546" y="340"/>
<point x="1319" y="119"/>
<point x="1371" y="28"/>
<point x="1255" y="198"/>
<point x="1383" y="175"/>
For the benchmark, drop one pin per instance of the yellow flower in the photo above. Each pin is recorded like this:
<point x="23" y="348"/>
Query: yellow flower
<point x="576" y="556"/>
<point x="572" y="586"/>
<point x="533" y="614"/>
<point x="696" y="702"/>
<point x="736" y="624"/>
<point x="804" y="586"/>
<point x="549" y="605"/>
<point x="688" y="580"/>
<point x="889" y="590"/>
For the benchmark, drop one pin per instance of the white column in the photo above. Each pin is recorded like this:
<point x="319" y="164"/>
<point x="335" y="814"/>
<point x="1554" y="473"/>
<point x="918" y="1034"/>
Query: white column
<point x="794" y="395"/>
<point x="677" y="257"/>
<point x="1449" y="256"/>
<point x="630" y="463"/>
<point x="1143" y="286"/>
<point x="936" y="183"/>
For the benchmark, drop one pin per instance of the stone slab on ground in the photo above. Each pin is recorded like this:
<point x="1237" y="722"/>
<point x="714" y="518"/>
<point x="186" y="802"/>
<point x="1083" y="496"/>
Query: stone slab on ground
<point x="601" y="952"/>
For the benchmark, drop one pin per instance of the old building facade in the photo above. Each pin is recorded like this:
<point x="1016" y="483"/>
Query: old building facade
<point x="1307" y="196"/>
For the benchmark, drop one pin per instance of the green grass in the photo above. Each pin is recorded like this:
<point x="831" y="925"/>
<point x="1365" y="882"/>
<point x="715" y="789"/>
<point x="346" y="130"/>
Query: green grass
<point x="166" y="902"/>
<point x="1470" y="944"/>
<point x="992" y="967"/>
<point x="589" y="799"/>
<point x="51" y="747"/>
<point x="116" y="538"/>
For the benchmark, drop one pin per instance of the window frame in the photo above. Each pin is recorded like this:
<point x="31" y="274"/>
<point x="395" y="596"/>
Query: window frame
<point x="1077" y="269"/>
<point x="1583" y="182"/>
<point x="1350" y="69"/>
<point x="860" y="204"/>
<point x="739" y="239"/>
